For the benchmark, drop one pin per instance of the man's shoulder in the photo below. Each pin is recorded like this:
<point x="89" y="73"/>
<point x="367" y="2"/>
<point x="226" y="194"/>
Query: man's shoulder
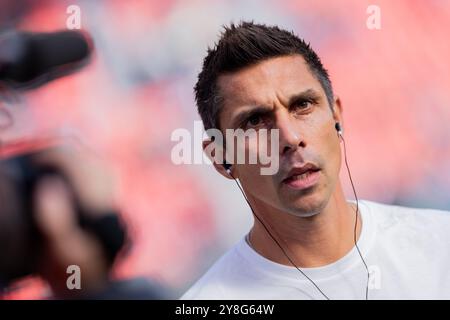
<point x="393" y="217"/>
<point x="224" y="271"/>
<point x="400" y="210"/>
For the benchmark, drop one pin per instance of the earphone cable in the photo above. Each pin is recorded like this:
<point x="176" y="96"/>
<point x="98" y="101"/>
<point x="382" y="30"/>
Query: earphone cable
<point x="276" y="241"/>
<point x="284" y="251"/>
<point x="356" y="219"/>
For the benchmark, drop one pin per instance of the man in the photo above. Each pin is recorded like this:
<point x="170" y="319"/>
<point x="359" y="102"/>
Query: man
<point x="308" y="241"/>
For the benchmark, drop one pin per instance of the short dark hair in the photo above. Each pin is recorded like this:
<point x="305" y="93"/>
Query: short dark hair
<point x="244" y="45"/>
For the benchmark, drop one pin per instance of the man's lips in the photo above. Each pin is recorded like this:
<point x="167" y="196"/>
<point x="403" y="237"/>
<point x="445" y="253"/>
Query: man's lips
<point x="302" y="177"/>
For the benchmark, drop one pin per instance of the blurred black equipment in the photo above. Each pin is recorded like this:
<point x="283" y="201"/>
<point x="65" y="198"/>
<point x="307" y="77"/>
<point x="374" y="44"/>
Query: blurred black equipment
<point x="20" y="241"/>
<point x="28" y="60"/>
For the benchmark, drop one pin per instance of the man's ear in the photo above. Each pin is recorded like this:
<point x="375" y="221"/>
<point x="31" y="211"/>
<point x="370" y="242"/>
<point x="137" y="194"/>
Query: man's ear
<point x="338" y="112"/>
<point x="215" y="153"/>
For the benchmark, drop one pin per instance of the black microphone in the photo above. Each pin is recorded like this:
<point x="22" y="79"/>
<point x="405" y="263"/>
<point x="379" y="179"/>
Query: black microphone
<point x="28" y="60"/>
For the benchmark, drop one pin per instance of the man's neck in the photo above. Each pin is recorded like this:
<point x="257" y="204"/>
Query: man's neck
<point x="310" y="242"/>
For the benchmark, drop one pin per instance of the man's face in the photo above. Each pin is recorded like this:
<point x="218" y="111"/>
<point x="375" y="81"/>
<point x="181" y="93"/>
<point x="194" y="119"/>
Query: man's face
<point x="282" y="93"/>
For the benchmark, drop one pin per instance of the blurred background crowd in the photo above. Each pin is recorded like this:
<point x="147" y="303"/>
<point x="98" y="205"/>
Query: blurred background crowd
<point x="393" y="82"/>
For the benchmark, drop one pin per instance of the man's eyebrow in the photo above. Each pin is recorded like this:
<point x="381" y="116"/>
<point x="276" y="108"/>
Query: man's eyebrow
<point x="247" y="114"/>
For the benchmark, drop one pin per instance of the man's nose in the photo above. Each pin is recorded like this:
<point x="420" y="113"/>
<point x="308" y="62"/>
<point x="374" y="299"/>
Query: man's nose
<point x="289" y="134"/>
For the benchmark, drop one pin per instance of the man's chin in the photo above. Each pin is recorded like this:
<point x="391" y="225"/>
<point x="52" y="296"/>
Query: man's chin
<point x="306" y="206"/>
<point x="303" y="212"/>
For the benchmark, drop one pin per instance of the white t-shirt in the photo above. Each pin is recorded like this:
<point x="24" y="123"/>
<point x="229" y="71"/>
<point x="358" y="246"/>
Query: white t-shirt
<point x="407" y="251"/>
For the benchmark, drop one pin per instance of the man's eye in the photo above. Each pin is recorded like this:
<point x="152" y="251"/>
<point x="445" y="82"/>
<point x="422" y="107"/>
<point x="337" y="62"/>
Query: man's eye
<point x="302" y="104"/>
<point x="254" y="120"/>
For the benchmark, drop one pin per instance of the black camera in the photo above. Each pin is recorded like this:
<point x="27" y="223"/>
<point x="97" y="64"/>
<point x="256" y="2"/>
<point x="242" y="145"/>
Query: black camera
<point x="29" y="60"/>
